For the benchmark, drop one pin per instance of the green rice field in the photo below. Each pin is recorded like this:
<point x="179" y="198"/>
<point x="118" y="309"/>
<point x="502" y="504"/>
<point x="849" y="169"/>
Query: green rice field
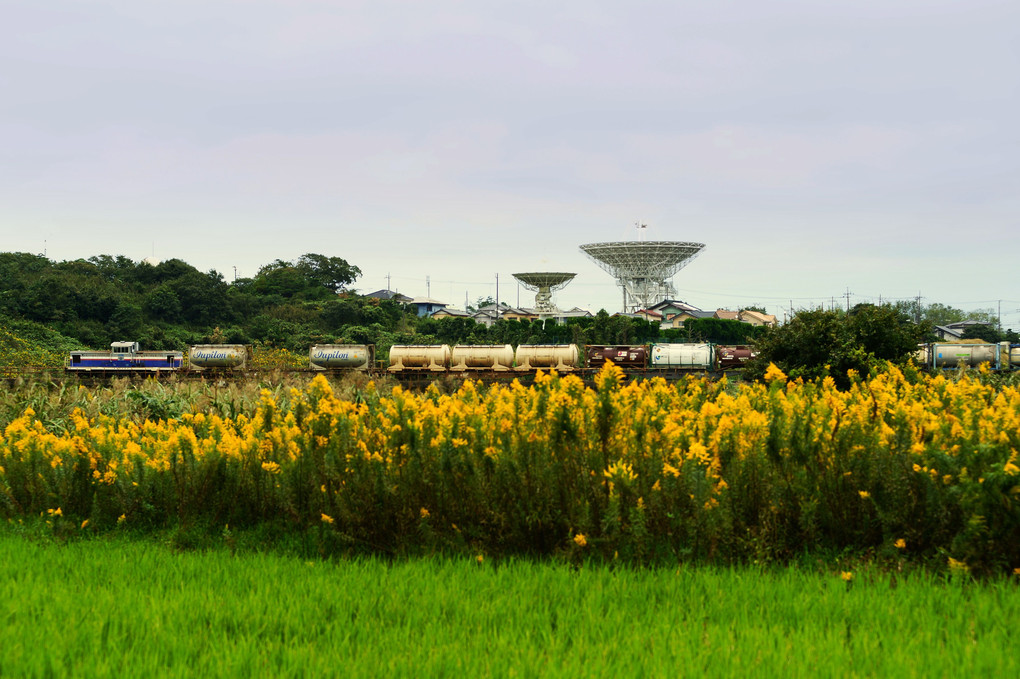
<point x="116" y="606"/>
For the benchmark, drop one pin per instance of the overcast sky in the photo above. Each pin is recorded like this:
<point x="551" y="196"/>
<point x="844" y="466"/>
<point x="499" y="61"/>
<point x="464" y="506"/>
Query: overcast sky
<point x="815" y="147"/>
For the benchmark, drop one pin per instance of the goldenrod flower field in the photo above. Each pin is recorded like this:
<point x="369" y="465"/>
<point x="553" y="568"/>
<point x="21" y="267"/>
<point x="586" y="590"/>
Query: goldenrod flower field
<point x="909" y="467"/>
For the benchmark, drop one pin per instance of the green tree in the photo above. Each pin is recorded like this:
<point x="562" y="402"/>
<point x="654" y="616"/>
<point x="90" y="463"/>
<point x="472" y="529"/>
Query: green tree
<point x="818" y="342"/>
<point x="163" y="304"/>
<point x="332" y="273"/>
<point x="982" y="332"/>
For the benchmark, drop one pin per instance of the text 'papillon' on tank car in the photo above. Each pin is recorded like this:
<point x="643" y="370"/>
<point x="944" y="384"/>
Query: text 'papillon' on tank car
<point x="220" y="357"/>
<point x="342" y="357"/>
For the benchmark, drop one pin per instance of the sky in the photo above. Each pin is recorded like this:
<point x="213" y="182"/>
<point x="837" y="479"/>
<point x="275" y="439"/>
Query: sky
<point x="824" y="152"/>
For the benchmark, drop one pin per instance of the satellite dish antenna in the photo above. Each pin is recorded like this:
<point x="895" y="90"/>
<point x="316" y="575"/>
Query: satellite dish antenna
<point x="543" y="284"/>
<point x="643" y="269"/>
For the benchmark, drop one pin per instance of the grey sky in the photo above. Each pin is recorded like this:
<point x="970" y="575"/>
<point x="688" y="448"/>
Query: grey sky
<point x="814" y="147"/>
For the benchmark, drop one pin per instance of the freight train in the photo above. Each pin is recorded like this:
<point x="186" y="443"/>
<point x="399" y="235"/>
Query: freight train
<point x="128" y="358"/>
<point x="496" y="359"/>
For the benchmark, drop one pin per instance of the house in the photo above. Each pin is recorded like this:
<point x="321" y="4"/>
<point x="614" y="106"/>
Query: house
<point x="757" y="318"/>
<point x="389" y="294"/>
<point x="670" y="307"/>
<point x="487" y="315"/>
<point x="954" y="331"/>
<point x="725" y="315"/>
<point x="650" y="316"/>
<point x="677" y="320"/>
<point x="448" y="312"/>
<point x="426" y="305"/>
<point x="561" y="316"/>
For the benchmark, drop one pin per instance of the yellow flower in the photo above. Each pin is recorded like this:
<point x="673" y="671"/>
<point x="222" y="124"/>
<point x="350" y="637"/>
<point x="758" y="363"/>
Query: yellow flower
<point x="424" y="513"/>
<point x="900" y="544"/>
<point x="326" y="518"/>
<point x="847" y="576"/>
<point x="580" y="540"/>
<point x="620" y="470"/>
<point x="55" y="512"/>
<point x="84" y="523"/>
<point x="864" y="494"/>
<point x="122" y="518"/>
<point x="480" y="558"/>
<point x="271" y="467"/>
<point x="958" y="566"/>
<point x="774" y="373"/>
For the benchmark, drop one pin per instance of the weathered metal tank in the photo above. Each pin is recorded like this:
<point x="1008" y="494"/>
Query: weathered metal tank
<point x="630" y="357"/>
<point x="341" y="356"/>
<point x="434" y="357"/>
<point x="951" y="355"/>
<point x="733" y="357"/>
<point x="683" y="356"/>
<point x="498" y="357"/>
<point x="558" y="357"/>
<point x="220" y="356"/>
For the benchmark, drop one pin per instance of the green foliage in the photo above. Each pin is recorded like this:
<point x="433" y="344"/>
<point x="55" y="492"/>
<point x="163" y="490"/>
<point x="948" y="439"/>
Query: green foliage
<point x="719" y="331"/>
<point x="983" y="332"/>
<point x="942" y="314"/>
<point x="819" y="342"/>
<point x="29" y="344"/>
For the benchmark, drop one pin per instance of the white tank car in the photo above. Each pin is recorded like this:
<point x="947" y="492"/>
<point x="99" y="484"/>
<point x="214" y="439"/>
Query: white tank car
<point x="683" y="356"/>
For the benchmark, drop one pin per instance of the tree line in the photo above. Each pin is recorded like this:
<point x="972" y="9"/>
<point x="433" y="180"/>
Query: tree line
<point x="287" y="304"/>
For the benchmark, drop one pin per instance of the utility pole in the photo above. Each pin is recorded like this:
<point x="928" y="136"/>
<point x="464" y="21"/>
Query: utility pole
<point x="497" y="297"/>
<point x="917" y="308"/>
<point x="428" y="287"/>
<point x="387" y="281"/>
<point x="847" y="295"/>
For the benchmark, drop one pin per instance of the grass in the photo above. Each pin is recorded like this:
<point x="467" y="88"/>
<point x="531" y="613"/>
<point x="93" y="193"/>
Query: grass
<point x="114" y="606"/>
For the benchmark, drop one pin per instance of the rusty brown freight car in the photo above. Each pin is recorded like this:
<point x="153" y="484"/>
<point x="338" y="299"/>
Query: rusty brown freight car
<point x="634" y="356"/>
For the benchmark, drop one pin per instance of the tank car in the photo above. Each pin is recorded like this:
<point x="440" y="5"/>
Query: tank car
<point x="733" y="357"/>
<point x="683" y="357"/>
<point x="342" y="357"/>
<point x="202" y="357"/>
<point x="434" y="358"/>
<point x="558" y="357"/>
<point x="627" y="357"/>
<point x="124" y="357"/>
<point x="939" y="355"/>
<point x="497" y="357"/>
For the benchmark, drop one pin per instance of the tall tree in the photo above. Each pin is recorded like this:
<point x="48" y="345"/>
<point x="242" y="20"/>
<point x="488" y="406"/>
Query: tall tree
<point x="819" y="342"/>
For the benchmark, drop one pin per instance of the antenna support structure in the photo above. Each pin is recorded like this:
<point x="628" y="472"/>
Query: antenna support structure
<point x="643" y="269"/>
<point x="543" y="284"/>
